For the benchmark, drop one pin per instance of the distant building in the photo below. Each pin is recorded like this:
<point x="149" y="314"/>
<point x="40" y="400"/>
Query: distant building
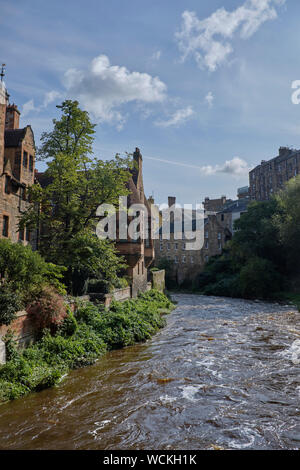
<point x="215" y="205"/>
<point x="231" y="212"/>
<point x="188" y="264"/>
<point x="17" y="162"/>
<point x="269" y="177"/>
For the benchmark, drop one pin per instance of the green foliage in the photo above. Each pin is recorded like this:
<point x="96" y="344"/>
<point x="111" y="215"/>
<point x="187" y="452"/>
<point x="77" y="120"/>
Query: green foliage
<point x="69" y="325"/>
<point x="77" y="184"/>
<point x="81" y="341"/>
<point x="10" y="303"/>
<point x="253" y="264"/>
<point x="287" y="222"/>
<point x="25" y="271"/>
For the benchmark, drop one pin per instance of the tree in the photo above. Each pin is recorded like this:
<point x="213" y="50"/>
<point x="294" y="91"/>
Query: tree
<point x="76" y="183"/>
<point x="287" y="221"/>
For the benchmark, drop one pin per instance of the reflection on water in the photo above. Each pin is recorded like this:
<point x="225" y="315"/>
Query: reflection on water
<point x="224" y="373"/>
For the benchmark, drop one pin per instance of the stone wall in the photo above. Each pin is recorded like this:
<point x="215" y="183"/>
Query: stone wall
<point x="158" y="280"/>
<point x="22" y="328"/>
<point x="122" y="294"/>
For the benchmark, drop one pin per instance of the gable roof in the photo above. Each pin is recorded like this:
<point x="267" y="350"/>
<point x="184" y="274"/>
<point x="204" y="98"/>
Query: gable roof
<point x="13" y="137"/>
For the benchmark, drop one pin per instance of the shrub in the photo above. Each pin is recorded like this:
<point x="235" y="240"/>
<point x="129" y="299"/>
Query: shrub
<point x="69" y="325"/>
<point x="23" y="270"/>
<point x="10" y="303"/>
<point x="259" y="279"/>
<point x="48" y="311"/>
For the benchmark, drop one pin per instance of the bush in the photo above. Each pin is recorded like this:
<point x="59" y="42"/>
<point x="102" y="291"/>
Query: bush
<point x="48" y="311"/>
<point x="259" y="279"/>
<point x="24" y="270"/>
<point x="10" y="303"/>
<point x="69" y="325"/>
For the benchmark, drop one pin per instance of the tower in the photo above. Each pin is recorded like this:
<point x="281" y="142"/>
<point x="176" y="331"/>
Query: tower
<point x="3" y="105"/>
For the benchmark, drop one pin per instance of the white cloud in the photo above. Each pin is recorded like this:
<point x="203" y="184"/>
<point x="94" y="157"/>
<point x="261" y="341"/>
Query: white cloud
<point x="209" y="40"/>
<point x="236" y="167"/>
<point x="210" y="99"/>
<point x="178" y="118"/>
<point x="103" y="88"/>
<point x="28" y="107"/>
<point x="51" y="96"/>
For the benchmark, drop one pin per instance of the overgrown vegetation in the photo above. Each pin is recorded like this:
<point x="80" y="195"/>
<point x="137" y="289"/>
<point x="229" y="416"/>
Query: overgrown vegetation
<point x="262" y="260"/>
<point x="79" y="341"/>
<point x="24" y="275"/>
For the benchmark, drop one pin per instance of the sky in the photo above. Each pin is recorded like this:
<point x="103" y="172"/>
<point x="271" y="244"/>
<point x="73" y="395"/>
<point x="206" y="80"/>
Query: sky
<point x="203" y="88"/>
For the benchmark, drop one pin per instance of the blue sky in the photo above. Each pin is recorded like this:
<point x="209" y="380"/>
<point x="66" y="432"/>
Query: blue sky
<point x="203" y="88"/>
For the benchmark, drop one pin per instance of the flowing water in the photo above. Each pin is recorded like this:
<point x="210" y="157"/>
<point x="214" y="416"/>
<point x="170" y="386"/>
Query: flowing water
<point x="224" y="373"/>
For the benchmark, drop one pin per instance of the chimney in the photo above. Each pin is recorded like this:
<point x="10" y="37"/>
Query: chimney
<point x="171" y="201"/>
<point x="12" y="117"/>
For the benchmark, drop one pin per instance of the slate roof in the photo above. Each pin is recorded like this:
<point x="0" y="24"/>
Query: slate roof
<point x="13" y="137"/>
<point x="239" y="205"/>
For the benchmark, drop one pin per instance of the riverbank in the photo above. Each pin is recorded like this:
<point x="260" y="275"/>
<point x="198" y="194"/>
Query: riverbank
<point x="80" y="341"/>
<point x="223" y="373"/>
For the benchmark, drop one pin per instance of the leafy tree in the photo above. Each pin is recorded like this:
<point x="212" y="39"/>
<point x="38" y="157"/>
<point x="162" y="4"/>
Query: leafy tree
<point x="76" y="184"/>
<point x="287" y="221"/>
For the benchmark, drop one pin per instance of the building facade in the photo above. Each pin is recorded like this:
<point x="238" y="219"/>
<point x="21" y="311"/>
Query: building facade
<point x="187" y="264"/>
<point x="139" y="254"/>
<point x="270" y="176"/>
<point x="17" y="162"/>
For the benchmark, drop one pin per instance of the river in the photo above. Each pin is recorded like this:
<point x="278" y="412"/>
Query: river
<point x="223" y="374"/>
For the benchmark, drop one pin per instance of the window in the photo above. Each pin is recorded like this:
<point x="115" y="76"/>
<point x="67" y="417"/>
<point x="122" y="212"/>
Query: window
<point x="176" y="246"/>
<point x="184" y="246"/>
<point x="219" y="236"/>
<point x="31" y="163"/>
<point x="7" y="181"/>
<point x="28" y="235"/>
<point x="222" y="217"/>
<point x="206" y="234"/>
<point x="183" y="259"/>
<point x="142" y="267"/>
<point x="25" y="159"/>
<point x="161" y="247"/>
<point x="21" y="234"/>
<point x="206" y="245"/>
<point x="206" y="258"/>
<point x="169" y="246"/>
<point x="5" y="226"/>
<point x="176" y="259"/>
<point x="192" y="260"/>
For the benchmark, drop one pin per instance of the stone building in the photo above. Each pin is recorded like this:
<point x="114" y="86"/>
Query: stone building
<point x="231" y="212"/>
<point x="215" y="205"/>
<point x="270" y="176"/>
<point x="139" y="254"/>
<point x="187" y="264"/>
<point x="17" y="161"/>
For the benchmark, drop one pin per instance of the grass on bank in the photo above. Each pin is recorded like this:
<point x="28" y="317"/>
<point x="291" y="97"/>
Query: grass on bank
<point x="80" y="341"/>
